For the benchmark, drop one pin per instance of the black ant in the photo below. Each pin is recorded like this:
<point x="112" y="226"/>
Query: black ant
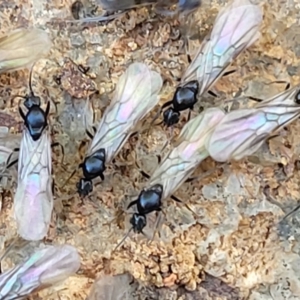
<point x="185" y="97"/>
<point x="92" y="167"/>
<point x="36" y="118"/>
<point x="149" y="200"/>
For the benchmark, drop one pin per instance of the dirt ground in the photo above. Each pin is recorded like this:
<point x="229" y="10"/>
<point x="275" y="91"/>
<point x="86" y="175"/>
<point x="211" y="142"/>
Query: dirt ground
<point x="235" y="245"/>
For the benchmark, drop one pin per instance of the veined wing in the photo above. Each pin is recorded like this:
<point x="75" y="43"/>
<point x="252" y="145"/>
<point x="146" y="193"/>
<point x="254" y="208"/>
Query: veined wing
<point x="242" y="132"/>
<point x="44" y="268"/>
<point x="33" y="201"/>
<point x="235" y="29"/>
<point x="136" y="94"/>
<point x="22" y="47"/>
<point x="188" y="152"/>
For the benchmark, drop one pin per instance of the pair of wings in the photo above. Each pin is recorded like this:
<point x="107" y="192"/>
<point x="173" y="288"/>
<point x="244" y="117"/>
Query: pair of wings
<point x="44" y="268"/>
<point x="22" y="47"/>
<point x="188" y="152"/>
<point x="242" y="132"/>
<point x="235" y="29"/>
<point x="224" y="137"/>
<point x="136" y="94"/>
<point x="33" y="201"/>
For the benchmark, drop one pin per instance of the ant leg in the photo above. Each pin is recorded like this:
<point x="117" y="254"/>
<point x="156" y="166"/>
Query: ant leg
<point x="291" y="212"/>
<point x="158" y="158"/>
<point x="132" y="203"/>
<point x="147" y="176"/>
<point x="47" y="109"/>
<point x="228" y="73"/>
<point x="212" y="94"/>
<point x="189" y="58"/>
<point x="167" y="104"/>
<point x="158" y="113"/>
<point x="22" y="114"/>
<point x="156" y="225"/>
<point x="12" y="163"/>
<point x="89" y="134"/>
<point x="189" y="115"/>
<point x="53" y="186"/>
<point x="72" y="174"/>
<point x="84" y="70"/>
<point x="123" y="239"/>
<point x="154" y="119"/>
<point x="175" y="199"/>
<point x="256" y="99"/>
<point x="8" y="163"/>
<point x="288" y="85"/>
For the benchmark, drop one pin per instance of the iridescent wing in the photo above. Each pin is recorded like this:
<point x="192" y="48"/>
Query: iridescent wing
<point x="235" y="29"/>
<point x="188" y="152"/>
<point x="44" y="268"/>
<point x="136" y="94"/>
<point x="22" y="47"/>
<point x="33" y="201"/>
<point x="242" y="132"/>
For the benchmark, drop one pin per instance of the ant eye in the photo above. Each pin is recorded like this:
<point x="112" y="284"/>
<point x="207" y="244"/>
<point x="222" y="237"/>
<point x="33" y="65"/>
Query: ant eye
<point x="297" y="98"/>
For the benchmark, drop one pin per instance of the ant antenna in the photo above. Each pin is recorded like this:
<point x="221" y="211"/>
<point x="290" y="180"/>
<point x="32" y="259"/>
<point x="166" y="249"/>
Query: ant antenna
<point x="30" y="81"/>
<point x="291" y="212"/>
<point x="123" y="240"/>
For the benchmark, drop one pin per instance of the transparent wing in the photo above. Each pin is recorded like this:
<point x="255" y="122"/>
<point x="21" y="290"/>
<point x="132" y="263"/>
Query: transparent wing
<point x="22" y="47"/>
<point x="44" y="268"/>
<point x="242" y="132"/>
<point x="235" y="29"/>
<point x="33" y="200"/>
<point x="188" y="152"/>
<point x="136" y="94"/>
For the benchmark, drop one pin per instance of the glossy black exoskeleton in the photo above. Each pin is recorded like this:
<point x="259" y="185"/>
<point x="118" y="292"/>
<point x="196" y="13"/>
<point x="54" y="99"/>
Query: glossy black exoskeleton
<point x="36" y="118"/>
<point x="188" y="5"/>
<point x="92" y="167"/>
<point x="185" y="97"/>
<point x="149" y="200"/>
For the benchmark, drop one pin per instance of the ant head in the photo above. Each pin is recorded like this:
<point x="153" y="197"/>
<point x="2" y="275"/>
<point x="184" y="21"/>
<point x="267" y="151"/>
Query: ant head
<point x="157" y="188"/>
<point x="138" y="222"/>
<point x="84" y="187"/>
<point x="100" y="154"/>
<point x="171" y="117"/>
<point x="32" y="100"/>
